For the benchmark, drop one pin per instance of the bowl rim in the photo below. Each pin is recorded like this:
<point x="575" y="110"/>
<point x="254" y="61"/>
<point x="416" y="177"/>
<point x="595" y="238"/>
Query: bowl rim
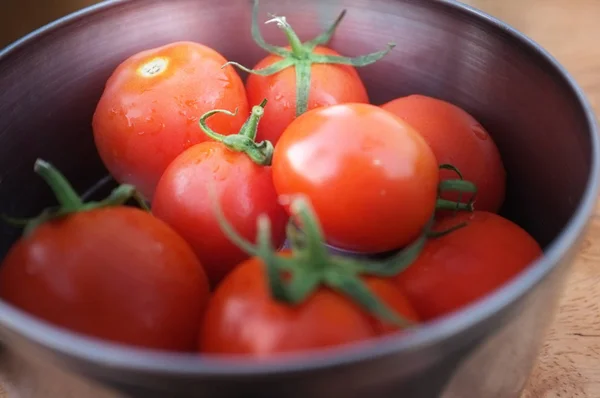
<point x="123" y="357"/>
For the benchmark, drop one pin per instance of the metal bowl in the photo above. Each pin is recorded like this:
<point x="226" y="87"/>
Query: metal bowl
<point x="51" y="80"/>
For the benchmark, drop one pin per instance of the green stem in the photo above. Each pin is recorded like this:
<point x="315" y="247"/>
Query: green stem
<point x="326" y="36"/>
<point x="359" y="292"/>
<point x="259" y="40"/>
<point x="65" y="194"/>
<point x="260" y="153"/>
<point x="312" y="230"/>
<point x="463" y="186"/>
<point x="69" y="201"/>
<point x="447" y="166"/>
<point x="310" y="266"/>
<point x="250" y="128"/>
<point x="357" y="62"/>
<point x="303" y="72"/>
<point x="444" y="204"/>
<point x="207" y="130"/>
<point x="302" y="56"/>
<point x="298" y="49"/>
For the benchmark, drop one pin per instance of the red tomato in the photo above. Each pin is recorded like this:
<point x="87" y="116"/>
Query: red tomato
<point x="370" y="177"/>
<point x="330" y="84"/>
<point x="150" y="108"/>
<point x="243" y="318"/>
<point x="114" y="273"/>
<point x="457" y="138"/>
<point x="465" y="265"/>
<point x="244" y="191"/>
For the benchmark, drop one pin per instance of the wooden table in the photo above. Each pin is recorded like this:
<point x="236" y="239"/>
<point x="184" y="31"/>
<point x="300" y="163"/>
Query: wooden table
<point x="569" y="364"/>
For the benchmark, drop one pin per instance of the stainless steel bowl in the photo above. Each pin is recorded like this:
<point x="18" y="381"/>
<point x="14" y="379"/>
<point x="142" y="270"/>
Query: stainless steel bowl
<point x="50" y="82"/>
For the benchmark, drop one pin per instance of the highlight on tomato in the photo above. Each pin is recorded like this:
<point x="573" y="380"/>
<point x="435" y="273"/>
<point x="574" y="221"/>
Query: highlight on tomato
<point x="456" y="137"/>
<point x="304" y="298"/>
<point x="106" y="270"/>
<point x="149" y="110"/>
<point x="459" y="268"/>
<point x="302" y="76"/>
<point x="238" y="169"/>
<point x="371" y="178"/>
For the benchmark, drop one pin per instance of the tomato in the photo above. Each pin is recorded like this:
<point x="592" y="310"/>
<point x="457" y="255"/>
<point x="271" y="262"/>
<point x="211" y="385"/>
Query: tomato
<point x="115" y="273"/>
<point x="457" y="138"/>
<point x="371" y="178"/>
<point x="243" y="189"/>
<point x="330" y="84"/>
<point x="302" y="76"/>
<point x="149" y="111"/>
<point x="243" y="318"/>
<point x="465" y="265"/>
<point x="242" y="181"/>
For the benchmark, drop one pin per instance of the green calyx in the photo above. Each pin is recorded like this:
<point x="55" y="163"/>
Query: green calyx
<point x="69" y="201"/>
<point x="261" y="153"/>
<point x="292" y="279"/>
<point x="459" y="185"/>
<point x="302" y="55"/>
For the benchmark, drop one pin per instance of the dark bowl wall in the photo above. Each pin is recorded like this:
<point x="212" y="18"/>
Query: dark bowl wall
<point x="50" y="84"/>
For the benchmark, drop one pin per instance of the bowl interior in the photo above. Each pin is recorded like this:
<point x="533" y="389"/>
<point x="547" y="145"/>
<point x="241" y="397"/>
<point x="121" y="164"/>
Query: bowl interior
<point x="51" y="82"/>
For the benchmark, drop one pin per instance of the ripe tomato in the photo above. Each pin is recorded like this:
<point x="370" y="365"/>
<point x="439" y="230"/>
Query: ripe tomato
<point x="302" y="76"/>
<point x="244" y="190"/>
<point x="457" y="138"/>
<point x="149" y="111"/>
<point x="243" y="318"/>
<point x="330" y="84"/>
<point x="114" y="273"/>
<point x="463" y="266"/>
<point x="371" y="178"/>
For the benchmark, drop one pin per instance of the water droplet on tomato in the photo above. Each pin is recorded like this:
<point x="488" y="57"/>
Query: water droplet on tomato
<point x="278" y="97"/>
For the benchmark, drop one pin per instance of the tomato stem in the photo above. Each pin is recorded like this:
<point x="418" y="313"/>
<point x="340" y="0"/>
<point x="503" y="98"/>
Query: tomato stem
<point x="302" y="55"/>
<point x="69" y="201"/>
<point x="65" y="194"/>
<point x="249" y="129"/>
<point x="298" y="49"/>
<point x="261" y="153"/>
<point x="444" y="204"/>
<point x="325" y="37"/>
<point x="310" y="265"/>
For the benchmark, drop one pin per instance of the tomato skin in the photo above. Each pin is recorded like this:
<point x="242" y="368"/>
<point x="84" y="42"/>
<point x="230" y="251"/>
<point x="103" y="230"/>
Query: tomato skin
<point x="330" y="84"/>
<point x="242" y="318"/>
<point x="465" y="265"/>
<point x="370" y="177"/>
<point x="113" y="273"/>
<point x="142" y="123"/>
<point x="457" y="138"/>
<point x="244" y="191"/>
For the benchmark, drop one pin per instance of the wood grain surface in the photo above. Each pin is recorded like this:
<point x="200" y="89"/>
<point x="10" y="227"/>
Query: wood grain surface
<point x="569" y="364"/>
